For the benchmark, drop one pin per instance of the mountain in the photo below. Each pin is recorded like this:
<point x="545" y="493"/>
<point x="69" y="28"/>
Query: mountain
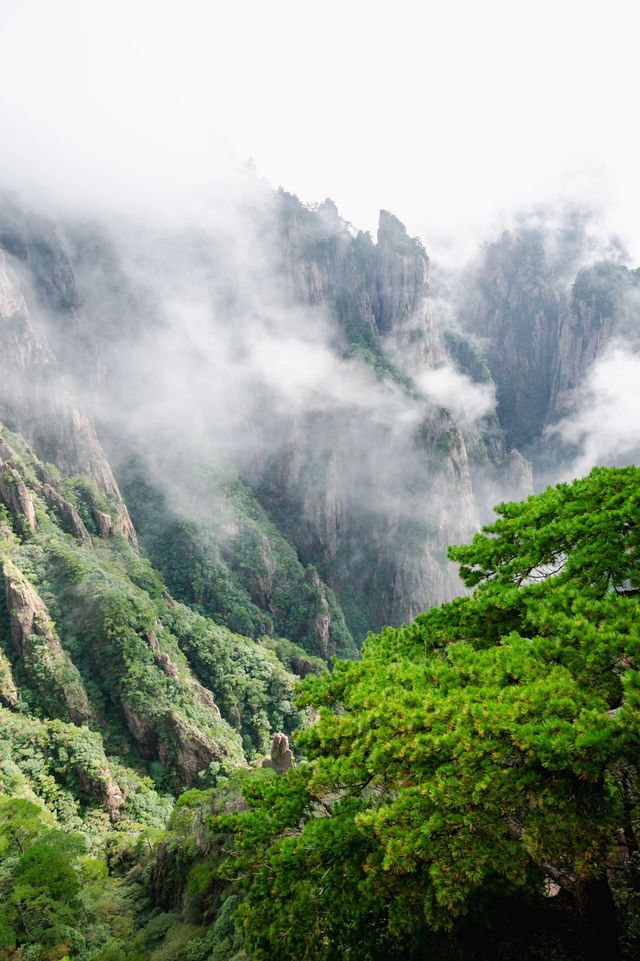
<point x="543" y="336"/>
<point x="350" y="492"/>
<point x="282" y="461"/>
<point x="230" y="447"/>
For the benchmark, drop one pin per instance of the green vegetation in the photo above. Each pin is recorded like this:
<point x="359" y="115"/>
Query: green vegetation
<point x="469" y="761"/>
<point x="113" y="698"/>
<point x="467" y="790"/>
<point x="234" y="565"/>
<point x="109" y="646"/>
<point x="467" y="357"/>
<point x="66" y="895"/>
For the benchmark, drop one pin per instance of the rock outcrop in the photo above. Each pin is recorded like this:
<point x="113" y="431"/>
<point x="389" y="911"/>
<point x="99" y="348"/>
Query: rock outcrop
<point x="176" y="741"/>
<point x="604" y="304"/>
<point x="205" y="697"/>
<point x="8" y="689"/>
<point x="102" y="787"/>
<point x="191" y="749"/>
<point x="36" y="643"/>
<point x="369" y="498"/>
<point x="376" y="290"/>
<point x="34" y="398"/>
<point x="16" y="497"/>
<point x="69" y="516"/>
<point x="281" y="757"/>
<point x="518" y="476"/>
<point x="515" y="307"/>
<point x="142" y="728"/>
<point x="541" y="338"/>
<point x="335" y="485"/>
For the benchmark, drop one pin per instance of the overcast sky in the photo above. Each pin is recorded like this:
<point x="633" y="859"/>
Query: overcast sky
<point x="450" y="114"/>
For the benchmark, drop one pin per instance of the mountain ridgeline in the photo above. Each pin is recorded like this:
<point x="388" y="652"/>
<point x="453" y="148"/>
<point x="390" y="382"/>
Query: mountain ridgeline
<point x="542" y="336"/>
<point x="351" y="492"/>
<point x="229" y="450"/>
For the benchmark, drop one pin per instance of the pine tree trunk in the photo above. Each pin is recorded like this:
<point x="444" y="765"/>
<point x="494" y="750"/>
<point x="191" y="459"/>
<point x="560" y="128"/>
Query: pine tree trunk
<point x="599" y="922"/>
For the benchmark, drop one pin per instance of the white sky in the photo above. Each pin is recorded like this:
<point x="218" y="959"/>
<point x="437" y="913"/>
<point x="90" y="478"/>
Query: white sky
<point x="447" y="113"/>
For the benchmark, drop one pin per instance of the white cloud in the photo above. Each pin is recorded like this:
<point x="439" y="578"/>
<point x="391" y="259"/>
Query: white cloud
<point x="444" y="113"/>
<point x="606" y="425"/>
<point x="448" y="387"/>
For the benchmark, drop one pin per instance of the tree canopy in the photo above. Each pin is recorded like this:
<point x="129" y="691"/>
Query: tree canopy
<point x="487" y="751"/>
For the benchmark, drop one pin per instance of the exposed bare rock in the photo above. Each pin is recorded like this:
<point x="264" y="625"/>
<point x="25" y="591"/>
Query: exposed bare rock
<point x="603" y="306"/>
<point x="142" y="729"/>
<point x="113" y="797"/>
<point x="35" y="242"/>
<point x="542" y="337"/>
<point x="16" y="496"/>
<point x="205" y="697"/>
<point x="194" y="749"/>
<point x="337" y="507"/>
<point x="322" y="621"/>
<point x="124" y="525"/>
<point x="263" y="580"/>
<point x="325" y="506"/>
<point x="518" y="478"/>
<point x="382" y="288"/>
<point x="103" y="523"/>
<point x="8" y="689"/>
<point x="516" y="307"/>
<point x="36" y="642"/>
<point x="68" y="515"/>
<point x="281" y="757"/>
<point x="166" y="664"/>
<point x="551" y="888"/>
<point x="404" y="313"/>
<point x="403" y="273"/>
<point x="6" y="451"/>
<point x="103" y="787"/>
<point x="323" y="261"/>
<point x="34" y="398"/>
<point x="189" y="748"/>
<point x="26" y="609"/>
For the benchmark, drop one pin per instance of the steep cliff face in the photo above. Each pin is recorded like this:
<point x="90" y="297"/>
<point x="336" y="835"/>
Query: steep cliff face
<point x="327" y="262"/>
<point x="374" y="289"/>
<point x="61" y="332"/>
<point x="49" y="669"/>
<point x="605" y="304"/>
<point x="34" y="399"/>
<point x="371" y="503"/>
<point x="225" y="557"/>
<point x="368" y="493"/>
<point x="542" y="337"/>
<point x="411" y="567"/>
<point x="516" y="308"/>
<point x="381" y="538"/>
<point x="110" y="650"/>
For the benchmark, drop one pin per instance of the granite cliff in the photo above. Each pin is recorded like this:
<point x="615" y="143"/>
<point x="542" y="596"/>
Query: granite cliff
<point x="346" y="508"/>
<point x="542" y="328"/>
<point x="335" y="516"/>
<point x="205" y="498"/>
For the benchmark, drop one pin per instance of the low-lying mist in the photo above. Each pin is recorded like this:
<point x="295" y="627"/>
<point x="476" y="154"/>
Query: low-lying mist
<point x="364" y="395"/>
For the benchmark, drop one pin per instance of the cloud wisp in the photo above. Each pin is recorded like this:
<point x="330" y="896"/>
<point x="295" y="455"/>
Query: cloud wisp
<point x="603" y="428"/>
